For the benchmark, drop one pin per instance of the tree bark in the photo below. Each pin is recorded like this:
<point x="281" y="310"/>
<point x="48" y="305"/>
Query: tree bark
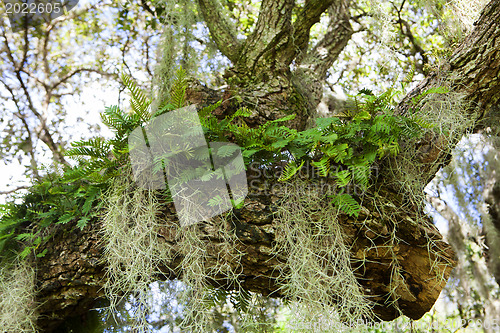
<point x="71" y="274"/>
<point x="491" y="220"/>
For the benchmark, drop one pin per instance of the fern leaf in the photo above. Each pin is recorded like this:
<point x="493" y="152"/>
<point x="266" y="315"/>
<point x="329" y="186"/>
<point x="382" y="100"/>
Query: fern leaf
<point x="360" y="173"/>
<point x="343" y="177"/>
<point x="433" y="90"/>
<point x="346" y="204"/>
<point x="323" y="166"/>
<point x="139" y="102"/>
<point x="207" y="110"/>
<point x="290" y="170"/>
<point x="178" y="91"/>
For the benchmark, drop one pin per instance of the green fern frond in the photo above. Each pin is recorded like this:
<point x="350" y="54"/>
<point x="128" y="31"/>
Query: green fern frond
<point x="346" y="204"/>
<point x="338" y="152"/>
<point x="421" y="122"/>
<point x="94" y="148"/>
<point x="433" y="90"/>
<point x="205" y="112"/>
<point x="279" y="120"/>
<point x="323" y="166"/>
<point x="113" y="118"/>
<point x="241" y="112"/>
<point x="178" y="91"/>
<point x="343" y="178"/>
<point x="366" y="91"/>
<point x="139" y="102"/>
<point x="361" y="172"/>
<point x="290" y="170"/>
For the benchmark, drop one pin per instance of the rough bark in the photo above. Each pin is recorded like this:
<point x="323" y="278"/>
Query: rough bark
<point x="491" y="223"/>
<point x="71" y="274"/>
<point x="473" y="74"/>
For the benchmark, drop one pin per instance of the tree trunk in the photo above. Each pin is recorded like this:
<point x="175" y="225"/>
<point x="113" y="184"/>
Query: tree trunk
<point x="71" y="274"/>
<point x="491" y="220"/>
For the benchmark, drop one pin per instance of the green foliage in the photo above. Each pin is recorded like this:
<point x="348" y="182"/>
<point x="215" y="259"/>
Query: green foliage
<point x="74" y="195"/>
<point x="49" y="202"/>
<point x="239" y="299"/>
<point x="353" y="144"/>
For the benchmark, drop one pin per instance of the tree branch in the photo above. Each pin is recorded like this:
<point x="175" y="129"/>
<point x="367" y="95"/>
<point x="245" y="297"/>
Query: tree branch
<point x="472" y="75"/>
<point x="338" y="34"/>
<point x="29" y="140"/>
<point x="405" y="29"/>
<point x="272" y="31"/>
<point x="15" y="189"/>
<point x="81" y="70"/>
<point x="311" y="69"/>
<point x="221" y="29"/>
<point x="307" y="17"/>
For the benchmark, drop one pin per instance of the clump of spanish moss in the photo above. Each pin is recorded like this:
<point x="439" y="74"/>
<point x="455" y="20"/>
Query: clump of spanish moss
<point x="17" y="298"/>
<point x="317" y="276"/>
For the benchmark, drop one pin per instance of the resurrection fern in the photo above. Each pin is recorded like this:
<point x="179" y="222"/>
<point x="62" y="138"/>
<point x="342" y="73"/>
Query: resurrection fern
<point x="100" y="159"/>
<point x="353" y="144"/>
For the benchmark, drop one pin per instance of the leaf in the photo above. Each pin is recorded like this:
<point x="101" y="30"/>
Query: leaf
<point x="27" y="250"/>
<point x="324" y="123"/>
<point x="343" y="177"/>
<point x="338" y="152"/>
<point x="290" y="170"/>
<point x="363" y="115"/>
<point x="433" y="90"/>
<point x="238" y="204"/>
<point x="249" y="152"/>
<point x="346" y="204"/>
<point x="91" y="196"/>
<point x="365" y="91"/>
<point x="280" y="144"/>
<point x="323" y="166"/>
<point x="139" y="101"/>
<point x="24" y="236"/>
<point x="65" y="218"/>
<point x="331" y="138"/>
<point x="178" y="91"/>
<point x="227" y="150"/>
<point x="216" y="201"/>
<point x="42" y="254"/>
<point x="360" y="172"/>
<point x="82" y="222"/>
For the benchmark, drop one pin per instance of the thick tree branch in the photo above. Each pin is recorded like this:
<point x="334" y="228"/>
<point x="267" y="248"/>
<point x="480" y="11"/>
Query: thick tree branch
<point x="221" y="29"/>
<point x="312" y="68"/>
<point x="472" y="76"/>
<point x="255" y="226"/>
<point x="271" y="32"/>
<point x="307" y="17"/>
<point x="327" y="50"/>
